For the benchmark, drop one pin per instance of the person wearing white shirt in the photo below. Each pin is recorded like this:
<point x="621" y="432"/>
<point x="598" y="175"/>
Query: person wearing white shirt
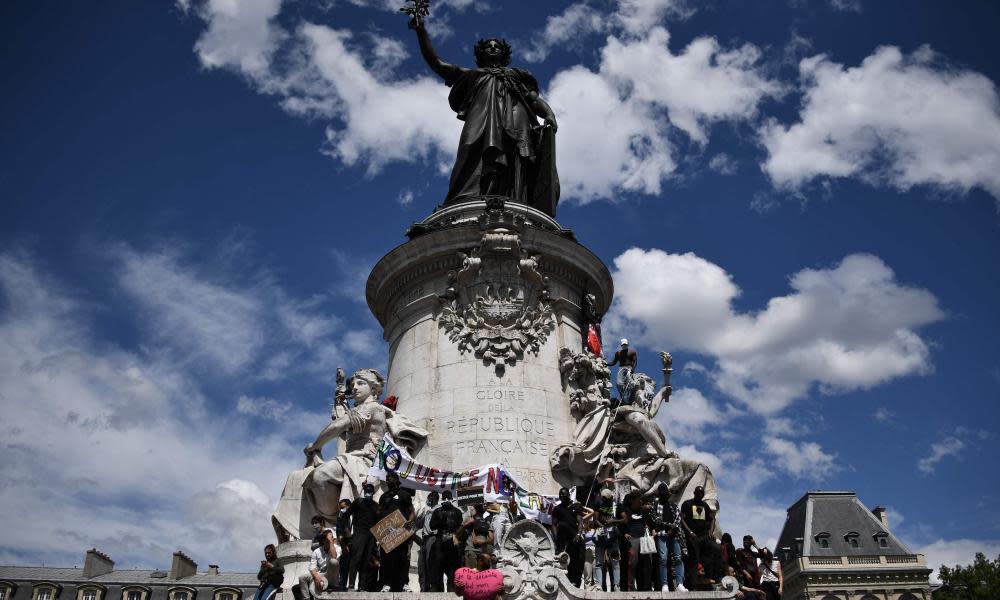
<point x="771" y="579"/>
<point x="324" y="566"/>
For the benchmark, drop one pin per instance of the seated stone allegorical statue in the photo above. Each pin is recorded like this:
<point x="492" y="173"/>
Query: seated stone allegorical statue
<point x="621" y="441"/>
<point x="317" y="488"/>
<point x="503" y="151"/>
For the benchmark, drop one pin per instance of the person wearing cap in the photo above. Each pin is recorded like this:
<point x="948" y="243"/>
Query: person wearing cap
<point x="504" y="520"/>
<point x="626" y="359"/>
<point x="364" y="514"/>
<point x="324" y="566"/>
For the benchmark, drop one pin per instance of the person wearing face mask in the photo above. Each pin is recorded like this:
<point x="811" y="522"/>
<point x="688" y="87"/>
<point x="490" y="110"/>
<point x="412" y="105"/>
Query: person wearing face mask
<point x="344" y="540"/>
<point x="446" y="552"/>
<point x="396" y="564"/>
<point x="425" y="537"/>
<point x="364" y="514"/>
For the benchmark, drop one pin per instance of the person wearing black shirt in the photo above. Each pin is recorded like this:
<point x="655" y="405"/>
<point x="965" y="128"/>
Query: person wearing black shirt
<point x="344" y="540"/>
<point x="364" y="514"/>
<point x="270" y="575"/>
<point x="396" y="564"/>
<point x="566" y="521"/>
<point x="698" y="520"/>
<point x="447" y="551"/>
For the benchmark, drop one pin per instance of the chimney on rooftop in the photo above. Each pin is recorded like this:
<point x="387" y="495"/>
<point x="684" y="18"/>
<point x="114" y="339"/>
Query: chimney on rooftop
<point x="883" y="515"/>
<point x="182" y="566"/>
<point x="96" y="563"/>
<point x="213" y="569"/>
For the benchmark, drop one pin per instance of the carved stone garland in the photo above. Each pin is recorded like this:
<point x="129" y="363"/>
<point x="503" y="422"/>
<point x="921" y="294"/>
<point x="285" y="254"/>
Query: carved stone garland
<point x="497" y="304"/>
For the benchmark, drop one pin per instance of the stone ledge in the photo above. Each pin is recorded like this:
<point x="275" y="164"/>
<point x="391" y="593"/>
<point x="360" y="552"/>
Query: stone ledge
<point x="583" y="595"/>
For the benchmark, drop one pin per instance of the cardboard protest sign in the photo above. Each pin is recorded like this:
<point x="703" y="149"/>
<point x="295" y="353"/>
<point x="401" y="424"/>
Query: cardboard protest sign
<point x="390" y="532"/>
<point x="468" y="496"/>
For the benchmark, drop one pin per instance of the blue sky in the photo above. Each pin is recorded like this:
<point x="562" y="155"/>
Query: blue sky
<point x="798" y="199"/>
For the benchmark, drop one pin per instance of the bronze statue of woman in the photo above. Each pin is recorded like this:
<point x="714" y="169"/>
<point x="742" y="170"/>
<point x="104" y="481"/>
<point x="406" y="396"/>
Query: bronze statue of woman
<point x="503" y="151"/>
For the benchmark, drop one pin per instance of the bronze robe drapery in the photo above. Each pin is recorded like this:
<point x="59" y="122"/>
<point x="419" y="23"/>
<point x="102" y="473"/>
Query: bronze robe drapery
<point x="503" y="150"/>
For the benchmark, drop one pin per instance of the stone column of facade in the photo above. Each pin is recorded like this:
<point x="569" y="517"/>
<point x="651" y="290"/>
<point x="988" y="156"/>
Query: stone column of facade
<point x="475" y="308"/>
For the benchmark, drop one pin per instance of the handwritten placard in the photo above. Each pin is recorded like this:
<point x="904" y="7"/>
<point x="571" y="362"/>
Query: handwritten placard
<point x="391" y="531"/>
<point x="479" y="585"/>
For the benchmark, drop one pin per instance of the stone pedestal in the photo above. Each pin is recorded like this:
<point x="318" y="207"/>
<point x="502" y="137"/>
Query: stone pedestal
<point x="475" y="308"/>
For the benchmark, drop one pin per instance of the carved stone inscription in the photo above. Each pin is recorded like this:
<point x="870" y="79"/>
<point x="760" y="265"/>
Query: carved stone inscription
<point x="502" y="427"/>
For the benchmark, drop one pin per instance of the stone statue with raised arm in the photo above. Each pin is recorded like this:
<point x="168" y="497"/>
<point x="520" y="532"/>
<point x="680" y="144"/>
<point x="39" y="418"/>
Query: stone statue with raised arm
<point x="504" y="150"/>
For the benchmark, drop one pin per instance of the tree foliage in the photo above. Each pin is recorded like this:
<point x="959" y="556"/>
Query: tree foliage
<point x="978" y="581"/>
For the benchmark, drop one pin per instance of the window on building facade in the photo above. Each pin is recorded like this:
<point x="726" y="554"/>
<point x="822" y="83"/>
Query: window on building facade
<point x="3" y="592"/>
<point x="89" y="594"/>
<point x="180" y="595"/>
<point x="883" y="543"/>
<point x="133" y="595"/>
<point x="44" y="594"/>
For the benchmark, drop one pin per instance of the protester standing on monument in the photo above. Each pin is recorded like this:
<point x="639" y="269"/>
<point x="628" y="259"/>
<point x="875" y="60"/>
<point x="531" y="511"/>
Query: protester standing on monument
<point x="698" y="520"/>
<point x="364" y="514"/>
<point x="608" y="551"/>
<point x="344" y="541"/>
<point x="569" y="536"/>
<point x="478" y="535"/>
<point x="504" y="520"/>
<point x="635" y="525"/>
<point x="446" y="552"/>
<point x="669" y="540"/>
<point x="746" y="562"/>
<point x="270" y="574"/>
<point x="396" y="563"/>
<point x="318" y="527"/>
<point x="425" y="537"/>
<point x="324" y="566"/>
<point x="771" y="579"/>
<point x="626" y="359"/>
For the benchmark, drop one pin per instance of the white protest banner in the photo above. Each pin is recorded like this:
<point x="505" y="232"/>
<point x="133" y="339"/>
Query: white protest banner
<point x="494" y="480"/>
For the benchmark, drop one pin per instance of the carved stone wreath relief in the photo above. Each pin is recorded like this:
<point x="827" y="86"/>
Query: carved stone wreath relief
<point x="497" y="304"/>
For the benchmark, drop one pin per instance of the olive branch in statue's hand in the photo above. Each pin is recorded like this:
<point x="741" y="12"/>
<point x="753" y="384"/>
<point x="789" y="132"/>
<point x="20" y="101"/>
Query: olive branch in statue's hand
<point x="417" y="9"/>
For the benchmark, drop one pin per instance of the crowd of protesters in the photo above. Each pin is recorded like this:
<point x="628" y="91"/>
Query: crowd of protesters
<point x="635" y="543"/>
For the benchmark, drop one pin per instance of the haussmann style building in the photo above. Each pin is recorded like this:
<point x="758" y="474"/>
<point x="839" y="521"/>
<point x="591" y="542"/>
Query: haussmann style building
<point x="832" y="547"/>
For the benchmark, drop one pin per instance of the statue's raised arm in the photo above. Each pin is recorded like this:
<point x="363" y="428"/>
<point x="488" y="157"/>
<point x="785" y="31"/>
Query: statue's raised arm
<point x="447" y="71"/>
<point x="507" y="146"/>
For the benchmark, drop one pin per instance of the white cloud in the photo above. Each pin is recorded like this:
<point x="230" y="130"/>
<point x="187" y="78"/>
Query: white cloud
<point x="629" y="151"/>
<point x="576" y="21"/>
<point x="687" y="415"/>
<point x="702" y="84"/>
<point x="240" y="33"/>
<point x="848" y="327"/>
<point x="884" y="415"/>
<point x="723" y="164"/>
<point x="961" y="552"/>
<point x="949" y="446"/>
<point x="805" y="459"/>
<point x="904" y="120"/>
<point x="125" y="444"/>
<point x="638" y="16"/>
